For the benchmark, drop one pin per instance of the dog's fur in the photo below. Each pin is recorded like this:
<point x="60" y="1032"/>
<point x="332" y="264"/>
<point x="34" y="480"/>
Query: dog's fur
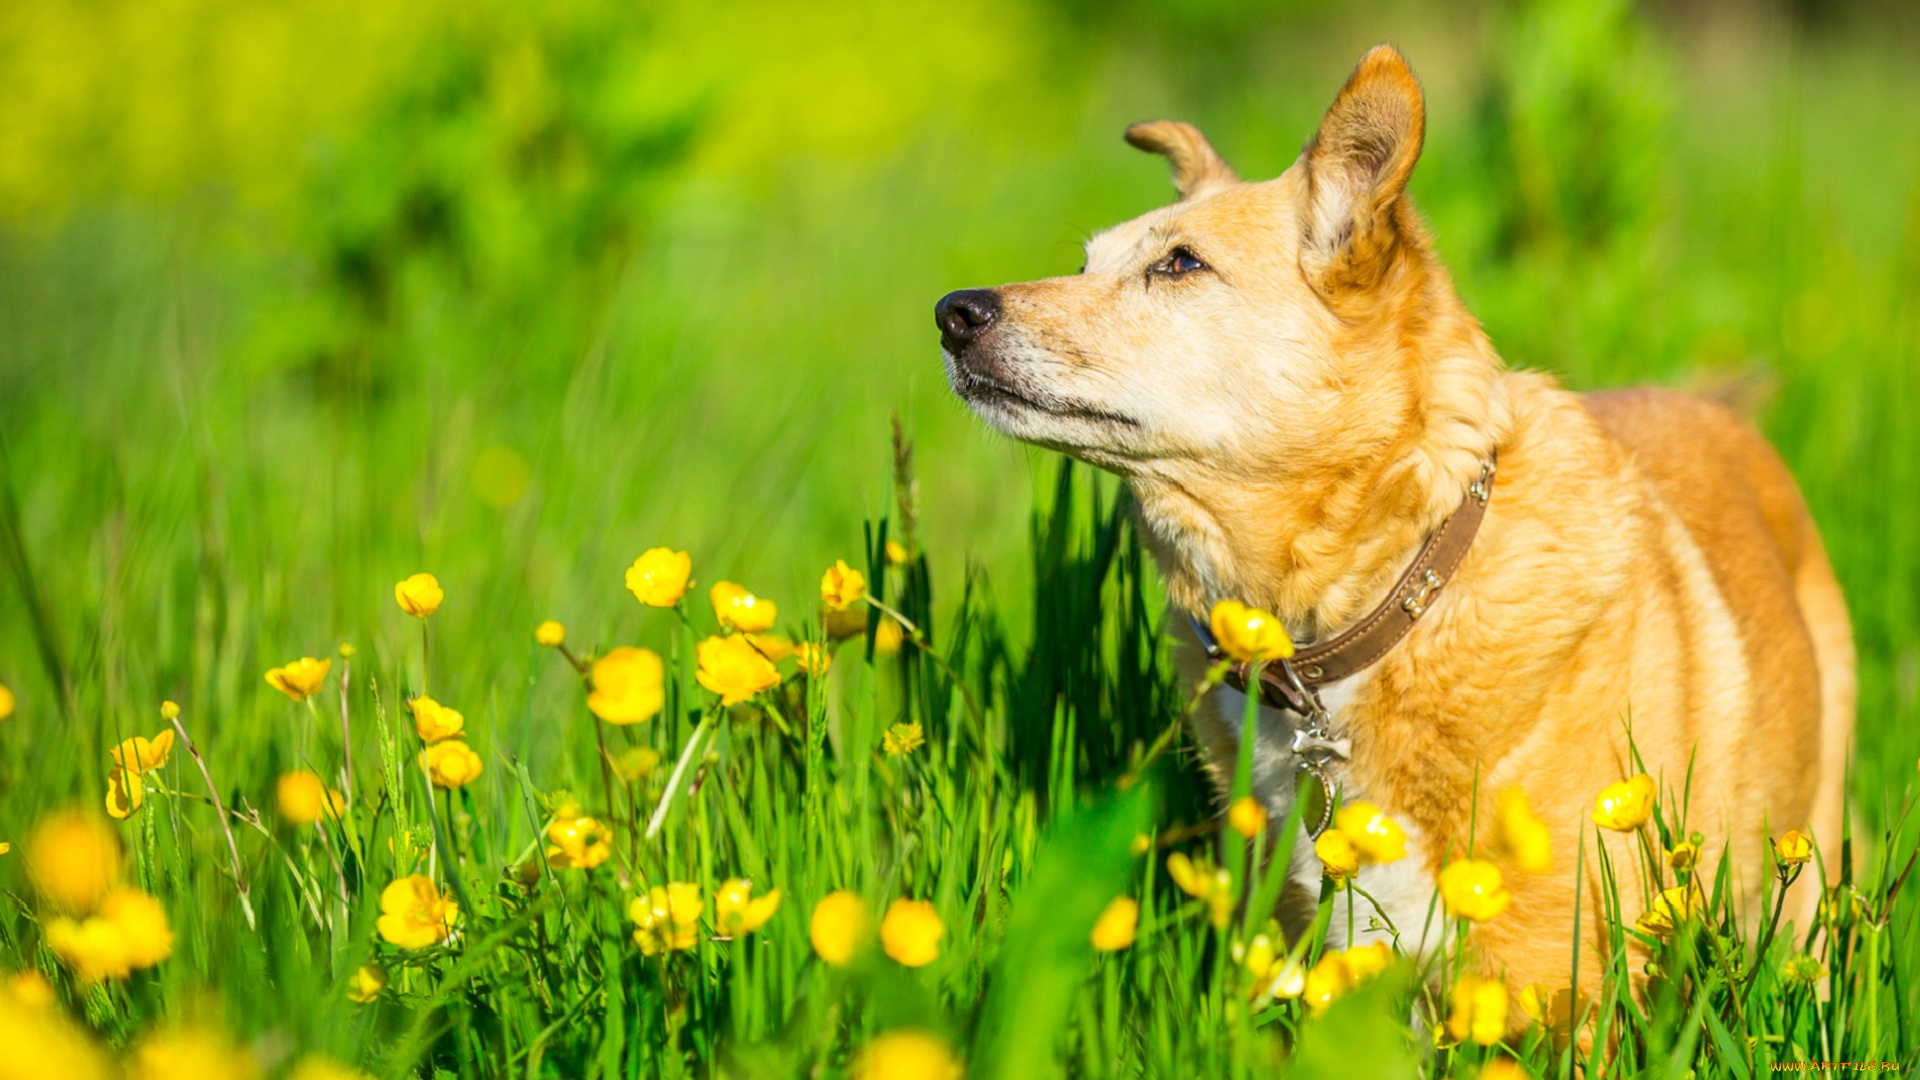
<point x="1297" y="414"/>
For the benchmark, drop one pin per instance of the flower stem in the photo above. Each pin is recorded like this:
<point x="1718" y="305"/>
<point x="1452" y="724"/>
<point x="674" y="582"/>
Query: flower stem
<point x="220" y="810"/>
<point x="673" y="780"/>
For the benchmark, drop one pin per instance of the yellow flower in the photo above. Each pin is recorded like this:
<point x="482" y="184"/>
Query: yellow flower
<point x="139" y="756"/>
<point x="1339" y="859"/>
<point x="738" y="609"/>
<point x="629" y="686"/>
<point x="911" y="932"/>
<point x="1377" y="837"/>
<point x="1249" y="634"/>
<point x="316" y="1067"/>
<point x="658" y="578"/>
<point x="635" y="763"/>
<point x="192" y="1054"/>
<point x="842" y="585"/>
<point x="1117" y="924"/>
<point x="1671" y="908"/>
<point x="1520" y="834"/>
<point x="775" y="647"/>
<point x="896" y="553"/>
<point x="887" y="637"/>
<point x="1473" y="890"/>
<point x="1366" y="962"/>
<point x="1685" y="857"/>
<point x="838" y="927"/>
<point x="578" y="843"/>
<point x="903" y="739"/>
<point x="40" y="1042"/>
<point x="550" y="634"/>
<point x="125" y="792"/>
<point x="419" y="595"/>
<point x="6" y="702"/>
<point x="906" y="1054"/>
<point x="667" y="917"/>
<point x="1625" y="806"/>
<point x="28" y="989"/>
<point x="434" y="722"/>
<point x="1204" y="882"/>
<point x="1479" y="1010"/>
<point x="169" y="711"/>
<point x="734" y="669"/>
<point x="813" y="659"/>
<point x="301" y="678"/>
<point x="1794" y="848"/>
<point x="1247" y="817"/>
<point x="1799" y="969"/>
<point x="130" y="932"/>
<point x="737" y="912"/>
<point x="415" y="914"/>
<point x="304" y="798"/>
<point x="1326" y="981"/>
<point x="451" y="764"/>
<point x="367" y="983"/>
<point x="73" y="858"/>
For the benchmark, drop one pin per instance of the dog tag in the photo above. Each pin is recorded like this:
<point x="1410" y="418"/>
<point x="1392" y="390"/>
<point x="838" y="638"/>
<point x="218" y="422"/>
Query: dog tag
<point x="1315" y="791"/>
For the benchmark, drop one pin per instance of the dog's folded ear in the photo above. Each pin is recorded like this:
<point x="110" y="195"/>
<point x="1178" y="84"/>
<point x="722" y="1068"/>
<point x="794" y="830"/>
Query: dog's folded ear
<point x="1197" y="167"/>
<point x="1357" y="167"/>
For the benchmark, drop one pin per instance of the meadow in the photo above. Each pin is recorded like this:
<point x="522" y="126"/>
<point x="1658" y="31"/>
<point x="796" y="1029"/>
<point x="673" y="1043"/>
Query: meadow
<point x="298" y="302"/>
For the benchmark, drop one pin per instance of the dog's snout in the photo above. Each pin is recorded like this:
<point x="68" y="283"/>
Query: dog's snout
<point x="963" y="315"/>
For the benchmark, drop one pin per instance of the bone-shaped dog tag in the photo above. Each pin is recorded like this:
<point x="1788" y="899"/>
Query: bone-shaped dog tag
<point x="1305" y="742"/>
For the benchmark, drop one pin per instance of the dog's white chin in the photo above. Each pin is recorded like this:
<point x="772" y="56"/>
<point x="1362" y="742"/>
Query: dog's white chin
<point x="1094" y="439"/>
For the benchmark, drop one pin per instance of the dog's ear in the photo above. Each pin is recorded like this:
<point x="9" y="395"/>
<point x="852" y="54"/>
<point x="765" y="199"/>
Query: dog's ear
<point x="1357" y="167"/>
<point x="1197" y="167"/>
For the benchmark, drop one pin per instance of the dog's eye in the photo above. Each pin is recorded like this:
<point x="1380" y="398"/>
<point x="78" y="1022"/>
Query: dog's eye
<point x="1178" y="261"/>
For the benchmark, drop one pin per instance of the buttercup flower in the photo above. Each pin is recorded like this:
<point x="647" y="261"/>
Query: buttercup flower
<point x="367" y="983"/>
<point x="738" y="609"/>
<point x="838" y="927"/>
<point x="1338" y="973"/>
<point x="434" y="722"/>
<point x="140" y="756"/>
<point x="906" y="1054"/>
<point x="415" y="914"/>
<point x="1473" y="890"/>
<point x="737" y="912"/>
<point x="1377" y="837"/>
<point x="911" y="932"/>
<point x="1802" y="969"/>
<point x="658" y="578"/>
<point x="125" y="793"/>
<point x="419" y="595"/>
<point x="629" y="686"/>
<point x="129" y="932"/>
<point x="1247" y="817"/>
<point x="887" y="637"/>
<point x="903" y="739"/>
<point x="73" y="858"/>
<point x="1625" y="806"/>
<point x="1248" y="634"/>
<point x="1671" y="908"/>
<point x="192" y="1053"/>
<point x="1117" y="924"/>
<point x="1685" y="857"/>
<point x="169" y="711"/>
<point x="734" y="669"/>
<point x="304" y="798"/>
<point x="842" y="585"/>
<point x="1204" y="882"/>
<point x="550" y="634"/>
<point x="813" y="659"/>
<point x="301" y="678"/>
<point x="6" y="702"/>
<point x="896" y="553"/>
<point x="1520" y="834"/>
<point x="1479" y="1010"/>
<point x="578" y="843"/>
<point x="1794" y="848"/>
<point x="775" y="647"/>
<point x="667" y="917"/>
<point x="451" y="764"/>
<point x="1339" y="859"/>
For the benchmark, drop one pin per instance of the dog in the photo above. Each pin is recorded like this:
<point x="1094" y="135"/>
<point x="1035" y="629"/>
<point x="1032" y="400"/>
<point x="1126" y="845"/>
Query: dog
<point x="1283" y="374"/>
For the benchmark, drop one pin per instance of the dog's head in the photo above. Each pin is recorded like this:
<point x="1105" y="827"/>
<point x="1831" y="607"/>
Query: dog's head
<point x="1249" y="327"/>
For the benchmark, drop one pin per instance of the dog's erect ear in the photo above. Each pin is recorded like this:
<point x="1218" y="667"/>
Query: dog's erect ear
<point x="1197" y="168"/>
<point x="1357" y="168"/>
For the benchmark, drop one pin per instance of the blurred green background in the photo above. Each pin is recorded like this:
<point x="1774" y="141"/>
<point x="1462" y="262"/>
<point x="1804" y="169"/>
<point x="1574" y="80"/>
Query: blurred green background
<point x="297" y="298"/>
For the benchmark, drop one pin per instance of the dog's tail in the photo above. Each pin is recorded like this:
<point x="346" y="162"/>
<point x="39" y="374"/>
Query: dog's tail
<point x="1745" y="389"/>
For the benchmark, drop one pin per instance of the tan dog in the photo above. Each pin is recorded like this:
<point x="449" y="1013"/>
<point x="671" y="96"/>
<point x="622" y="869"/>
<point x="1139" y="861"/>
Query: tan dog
<point x="1285" y="377"/>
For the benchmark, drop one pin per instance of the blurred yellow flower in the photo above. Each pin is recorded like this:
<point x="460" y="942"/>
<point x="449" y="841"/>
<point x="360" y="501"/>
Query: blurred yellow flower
<point x="1339" y="859"/>
<point x="896" y="552"/>
<point x="734" y="669"/>
<point x="1551" y="1009"/>
<point x="1685" y="857"/>
<point x="838" y="927"/>
<point x="1247" y="817"/>
<point x="1794" y="848"/>
<point x="667" y="917"/>
<point x="451" y="764"/>
<point x="415" y="914"/>
<point x="1205" y="882"/>
<point x="738" y="609"/>
<point x="658" y="578"/>
<point x="130" y="932"/>
<point x="629" y="686"/>
<point x="813" y="659"/>
<point x="1625" y="806"/>
<point x="1473" y="890"/>
<point x="842" y="585"/>
<point x="635" y="763"/>
<point x="1338" y="973"/>
<point x="911" y="932"/>
<point x="1377" y="837"/>
<point x="887" y="637"/>
<point x="1479" y="1010"/>
<point x="1117" y="924"/>
<point x="316" y="1067"/>
<point x="419" y="595"/>
<point x="1799" y="969"/>
<point x="903" y="739"/>
<point x="6" y="702"/>
<point x="737" y="912"/>
<point x="28" y="989"/>
<point x="580" y="843"/>
<point x="1671" y="908"/>
<point x="304" y="798"/>
<point x="775" y="647"/>
<point x="906" y="1054"/>
<point x="125" y="794"/>
<point x="550" y="634"/>
<point x="367" y="982"/>
<point x="169" y="711"/>
<point x="1520" y="834"/>
<point x="1248" y="634"/>
<point x="73" y="858"/>
<point x="301" y="678"/>
<point x="138" y="755"/>
<point x="41" y="1043"/>
<point x="192" y="1053"/>
<point x="434" y="722"/>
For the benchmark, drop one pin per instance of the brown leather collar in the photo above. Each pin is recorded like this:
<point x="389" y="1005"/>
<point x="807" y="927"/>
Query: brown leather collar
<point x="1288" y="684"/>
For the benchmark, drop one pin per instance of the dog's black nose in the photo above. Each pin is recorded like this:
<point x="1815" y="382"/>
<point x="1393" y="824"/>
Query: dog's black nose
<point x="961" y="316"/>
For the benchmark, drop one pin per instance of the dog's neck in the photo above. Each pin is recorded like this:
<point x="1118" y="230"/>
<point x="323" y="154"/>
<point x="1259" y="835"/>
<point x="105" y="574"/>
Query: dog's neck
<point x="1320" y="543"/>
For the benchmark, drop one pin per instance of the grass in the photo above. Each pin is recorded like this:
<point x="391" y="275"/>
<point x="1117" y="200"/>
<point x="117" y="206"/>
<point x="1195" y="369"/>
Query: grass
<point x="231" y="423"/>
